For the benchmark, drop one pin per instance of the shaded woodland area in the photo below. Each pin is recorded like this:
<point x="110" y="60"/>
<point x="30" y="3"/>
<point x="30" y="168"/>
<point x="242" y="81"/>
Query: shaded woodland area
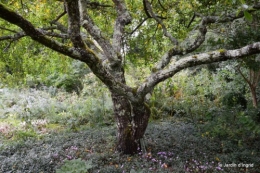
<point x="129" y="86"/>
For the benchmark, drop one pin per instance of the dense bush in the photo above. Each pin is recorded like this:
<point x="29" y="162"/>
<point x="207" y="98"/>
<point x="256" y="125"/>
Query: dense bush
<point x="69" y="84"/>
<point x="233" y="99"/>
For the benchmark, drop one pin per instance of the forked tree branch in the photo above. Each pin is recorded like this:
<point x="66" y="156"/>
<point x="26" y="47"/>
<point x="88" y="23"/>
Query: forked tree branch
<point x="194" y="60"/>
<point x="200" y="38"/>
<point x="84" y="55"/>
<point x="243" y="76"/>
<point x="14" y="37"/>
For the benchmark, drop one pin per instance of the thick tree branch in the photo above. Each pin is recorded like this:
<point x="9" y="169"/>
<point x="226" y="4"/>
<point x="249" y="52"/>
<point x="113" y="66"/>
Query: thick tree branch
<point x="219" y="19"/>
<point x="96" y="33"/>
<point x="194" y="60"/>
<point x="123" y="19"/>
<point x="146" y="10"/>
<point x="72" y="8"/>
<point x="22" y="34"/>
<point x="185" y="48"/>
<point x="166" y="58"/>
<point x="202" y="28"/>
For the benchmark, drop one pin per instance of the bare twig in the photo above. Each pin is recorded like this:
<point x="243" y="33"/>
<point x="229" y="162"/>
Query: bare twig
<point x="3" y="28"/>
<point x="192" y="19"/>
<point x="14" y="37"/>
<point x="139" y="25"/>
<point x="161" y="5"/>
<point x="19" y="35"/>
<point x="59" y="16"/>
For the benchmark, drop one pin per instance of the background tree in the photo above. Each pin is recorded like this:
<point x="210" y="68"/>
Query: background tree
<point x="105" y="34"/>
<point x="241" y="36"/>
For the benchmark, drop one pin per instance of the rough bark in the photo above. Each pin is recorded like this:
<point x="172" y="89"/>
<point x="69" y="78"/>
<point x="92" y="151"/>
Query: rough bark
<point x="132" y="120"/>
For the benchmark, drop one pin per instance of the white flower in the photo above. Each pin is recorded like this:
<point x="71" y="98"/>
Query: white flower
<point x="244" y="6"/>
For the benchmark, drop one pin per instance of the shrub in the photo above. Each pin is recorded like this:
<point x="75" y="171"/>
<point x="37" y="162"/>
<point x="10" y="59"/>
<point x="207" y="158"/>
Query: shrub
<point x="233" y="99"/>
<point x="69" y="84"/>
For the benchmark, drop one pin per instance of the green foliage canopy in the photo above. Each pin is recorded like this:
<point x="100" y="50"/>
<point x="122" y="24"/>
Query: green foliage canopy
<point x="144" y="40"/>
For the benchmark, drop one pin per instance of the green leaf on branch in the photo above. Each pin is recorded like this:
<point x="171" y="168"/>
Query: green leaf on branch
<point x="248" y="16"/>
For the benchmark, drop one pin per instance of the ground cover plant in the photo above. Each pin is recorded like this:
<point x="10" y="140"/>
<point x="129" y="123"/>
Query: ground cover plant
<point x="180" y="153"/>
<point x="50" y="135"/>
<point x="171" y="147"/>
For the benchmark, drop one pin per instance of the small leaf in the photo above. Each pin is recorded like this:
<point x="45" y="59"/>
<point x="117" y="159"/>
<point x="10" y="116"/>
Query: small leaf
<point x="248" y="16"/>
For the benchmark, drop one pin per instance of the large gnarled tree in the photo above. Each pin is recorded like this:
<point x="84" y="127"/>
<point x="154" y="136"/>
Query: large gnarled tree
<point x="103" y="53"/>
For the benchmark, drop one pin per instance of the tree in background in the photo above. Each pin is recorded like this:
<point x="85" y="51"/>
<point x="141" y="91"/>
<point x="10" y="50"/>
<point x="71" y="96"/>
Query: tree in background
<point x="105" y="34"/>
<point x="245" y="33"/>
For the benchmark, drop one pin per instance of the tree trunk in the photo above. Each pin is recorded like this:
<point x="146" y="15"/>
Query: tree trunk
<point x="132" y="120"/>
<point x="253" y="93"/>
<point x="252" y="82"/>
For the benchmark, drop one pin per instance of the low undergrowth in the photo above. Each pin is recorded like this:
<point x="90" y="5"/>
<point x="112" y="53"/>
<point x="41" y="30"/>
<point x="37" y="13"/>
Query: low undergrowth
<point x="52" y="131"/>
<point x="171" y="147"/>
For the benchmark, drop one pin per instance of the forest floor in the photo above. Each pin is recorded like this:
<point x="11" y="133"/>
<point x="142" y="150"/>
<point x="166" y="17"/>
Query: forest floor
<point x="171" y="147"/>
<point x="45" y="133"/>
